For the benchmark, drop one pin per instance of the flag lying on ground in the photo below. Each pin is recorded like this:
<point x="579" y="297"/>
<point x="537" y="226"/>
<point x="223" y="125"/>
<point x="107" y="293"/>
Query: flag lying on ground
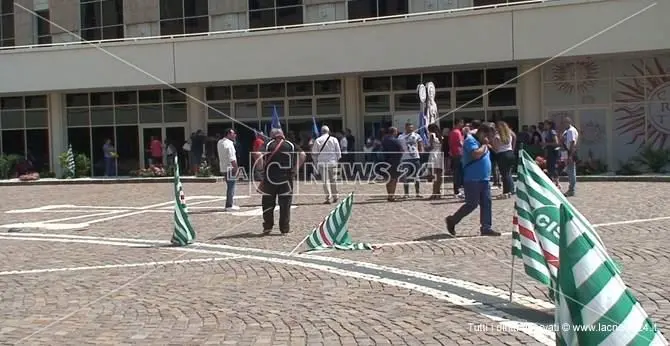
<point x="333" y="232"/>
<point x="275" y="118"/>
<point x="536" y="225"/>
<point x="71" y="165"/>
<point x="592" y="298"/>
<point x="183" y="230"/>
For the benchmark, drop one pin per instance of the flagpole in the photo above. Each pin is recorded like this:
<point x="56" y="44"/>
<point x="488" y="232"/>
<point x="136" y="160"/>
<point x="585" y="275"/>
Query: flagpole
<point x="511" y="280"/>
<point x="299" y="244"/>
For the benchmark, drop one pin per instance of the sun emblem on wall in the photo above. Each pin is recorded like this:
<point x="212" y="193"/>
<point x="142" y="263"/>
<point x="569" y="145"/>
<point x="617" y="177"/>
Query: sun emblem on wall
<point x="585" y="71"/>
<point x="593" y="132"/>
<point x="647" y="94"/>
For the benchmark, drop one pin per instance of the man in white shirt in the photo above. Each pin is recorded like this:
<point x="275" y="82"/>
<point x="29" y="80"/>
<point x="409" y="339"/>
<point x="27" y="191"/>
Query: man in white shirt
<point x="569" y="144"/>
<point x="326" y="153"/>
<point x="228" y="165"/>
<point x="411" y="159"/>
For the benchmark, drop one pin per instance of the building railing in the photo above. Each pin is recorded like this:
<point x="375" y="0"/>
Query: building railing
<point x="280" y="28"/>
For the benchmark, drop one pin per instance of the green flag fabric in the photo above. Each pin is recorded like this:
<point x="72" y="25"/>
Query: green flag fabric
<point x="333" y="231"/>
<point x="593" y="304"/>
<point x="183" y="233"/>
<point x="536" y="233"/>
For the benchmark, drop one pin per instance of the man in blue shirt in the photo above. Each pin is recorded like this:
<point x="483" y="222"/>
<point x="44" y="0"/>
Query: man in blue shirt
<point x="476" y="175"/>
<point x="393" y="151"/>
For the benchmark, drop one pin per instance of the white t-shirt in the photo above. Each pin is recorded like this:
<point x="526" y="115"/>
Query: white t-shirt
<point x="227" y="154"/>
<point x="411" y="143"/>
<point x="344" y="144"/>
<point x="570" y="135"/>
<point x="331" y="150"/>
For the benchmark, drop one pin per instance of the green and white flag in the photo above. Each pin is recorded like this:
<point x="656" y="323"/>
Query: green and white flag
<point x="536" y="224"/>
<point x="593" y="305"/>
<point x="333" y="231"/>
<point x="71" y="166"/>
<point x="183" y="230"/>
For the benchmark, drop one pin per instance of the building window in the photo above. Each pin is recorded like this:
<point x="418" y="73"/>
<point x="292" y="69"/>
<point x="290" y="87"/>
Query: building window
<point x="376" y="8"/>
<point x="6" y="23"/>
<point x="43" y="29"/>
<point x="101" y="19"/>
<point x="184" y="17"/>
<point x="272" y="13"/>
<point x="468" y="95"/>
<point x="24" y="124"/>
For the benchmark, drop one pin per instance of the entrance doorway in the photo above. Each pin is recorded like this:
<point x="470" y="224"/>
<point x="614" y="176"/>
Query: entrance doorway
<point x="175" y="135"/>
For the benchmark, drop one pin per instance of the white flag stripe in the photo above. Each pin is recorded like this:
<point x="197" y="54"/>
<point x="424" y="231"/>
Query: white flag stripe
<point x="586" y="266"/>
<point x="628" y="329"/>
<point x="602" y="302"/>
<point x="569" y="336"/>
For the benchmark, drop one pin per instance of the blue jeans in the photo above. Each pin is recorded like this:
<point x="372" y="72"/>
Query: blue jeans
<point x="110" y="170"/>
<point x="477" y="194"/>
<point x="230" y="191"/>
<point x="571" y="169"/>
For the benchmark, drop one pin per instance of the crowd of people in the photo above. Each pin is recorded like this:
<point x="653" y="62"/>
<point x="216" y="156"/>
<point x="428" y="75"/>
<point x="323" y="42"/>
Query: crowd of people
<point x="481" y="156"/>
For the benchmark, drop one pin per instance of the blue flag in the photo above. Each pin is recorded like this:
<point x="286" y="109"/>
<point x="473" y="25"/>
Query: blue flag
<point x="423" y="129"/>
<point x="275" y="118"/>
<point x="315" y="128"/>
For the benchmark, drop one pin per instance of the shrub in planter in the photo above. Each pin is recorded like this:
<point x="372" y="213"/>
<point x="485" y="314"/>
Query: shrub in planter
<point x="8" y="166"/>
<point x="628" y="168"/>
<point x="204" y="171"/>
<point x="82" y="166"/>
<point x="151" y="172"/>
<point x="655" y="159"/>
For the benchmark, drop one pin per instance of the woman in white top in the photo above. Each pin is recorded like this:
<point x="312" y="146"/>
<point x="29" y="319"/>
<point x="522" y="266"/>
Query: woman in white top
<point x="503" y="145"/>
<point x="435" y="159"/>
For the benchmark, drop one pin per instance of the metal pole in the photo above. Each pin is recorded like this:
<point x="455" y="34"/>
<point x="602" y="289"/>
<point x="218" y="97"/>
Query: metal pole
<point x="511" y="280"/>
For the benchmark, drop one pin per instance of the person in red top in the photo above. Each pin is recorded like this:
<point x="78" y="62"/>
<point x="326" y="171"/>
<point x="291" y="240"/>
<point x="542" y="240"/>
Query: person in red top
<point x="256" y="148"/>
<point x="156" y="150"/>
<point x="455" y="153"/>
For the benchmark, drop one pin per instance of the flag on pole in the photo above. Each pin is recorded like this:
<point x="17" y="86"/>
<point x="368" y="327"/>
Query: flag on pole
<point x="423" y="128"/>
<point x="536" y="233"/>
<point x="315" y="128"/>
<point x="275" y="118"/>
<point x="591" y="296"/>
<point x="71" y="165"/>
<point x="184" y="233"/>
<point x="333" y="231"/>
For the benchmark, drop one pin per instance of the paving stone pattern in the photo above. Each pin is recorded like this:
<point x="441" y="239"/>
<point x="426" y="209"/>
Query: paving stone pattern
<point x="243" y="302"/>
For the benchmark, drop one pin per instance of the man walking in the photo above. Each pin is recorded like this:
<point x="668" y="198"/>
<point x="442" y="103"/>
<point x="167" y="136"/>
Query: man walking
<point x="455" y="156"/>
<point x="569" y="143"/>
<point x="411" y="159"/>
<point x="228" y="165"/>
<point x="326" y="153"/>
<point x="392" y="150"/>
<point x="476" y="175"/>
<point x="280" y="163"/>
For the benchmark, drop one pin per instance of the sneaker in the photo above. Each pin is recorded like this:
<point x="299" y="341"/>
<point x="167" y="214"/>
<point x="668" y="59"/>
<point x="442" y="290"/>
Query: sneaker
<point x="569" y="194"/>
<point x="451" y="225"/>
<point x="490" y="233"/>
<point x="267" y="231"/>
<point x="461" y="195"/>
<point x="233" y="208"/>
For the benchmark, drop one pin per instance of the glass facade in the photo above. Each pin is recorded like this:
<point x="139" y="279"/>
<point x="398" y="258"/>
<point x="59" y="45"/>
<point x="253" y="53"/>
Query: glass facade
<point x="24" y="121"/>
<point x="124" y="117"/>
<point x="271" y="13"/>
<point x="183" y="17"/>
<point x="464" y="95"/>
<point x="6" y="23"/>
<point x="101" y="19"/>
<point x="43" y="27"/>
<point x="358" y="9"/>
<point x="296" y="102"/>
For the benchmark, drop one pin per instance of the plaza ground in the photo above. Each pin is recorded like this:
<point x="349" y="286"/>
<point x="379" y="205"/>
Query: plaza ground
<point x="117" y="283"/>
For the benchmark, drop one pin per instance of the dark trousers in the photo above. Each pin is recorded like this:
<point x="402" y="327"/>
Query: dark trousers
<point x="457" y="168"/>
<point x="274" y="194"/>
<point x="495" y="177"/>
<point x="506" y="161"/>
<point x="477" y="194"/>
<point x="110" y="169"/>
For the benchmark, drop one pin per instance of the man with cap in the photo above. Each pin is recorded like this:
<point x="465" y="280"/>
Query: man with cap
<point x="280" y="161"/>
<point x="326" y="153"/>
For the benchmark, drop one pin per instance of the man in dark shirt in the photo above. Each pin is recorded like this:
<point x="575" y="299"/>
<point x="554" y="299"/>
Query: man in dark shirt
<point x="393" y="150"/>
<point x="197" y="143"/>
<point x="281" y="159"/>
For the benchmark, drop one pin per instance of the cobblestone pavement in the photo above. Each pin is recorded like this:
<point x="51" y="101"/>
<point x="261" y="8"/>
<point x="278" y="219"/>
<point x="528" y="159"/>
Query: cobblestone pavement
<point x="213" y="296"/>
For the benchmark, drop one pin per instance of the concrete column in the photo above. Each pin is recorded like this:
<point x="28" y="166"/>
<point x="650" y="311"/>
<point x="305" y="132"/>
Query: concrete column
<point x="530" y="95"/>
<point x="353" y="117"/>
<point x="197" y="112"/>
<point x="141" y="11"/>
<point x="57" y="130"/>
<point x="24" y="24"/>
<point x="65" y="13"/>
